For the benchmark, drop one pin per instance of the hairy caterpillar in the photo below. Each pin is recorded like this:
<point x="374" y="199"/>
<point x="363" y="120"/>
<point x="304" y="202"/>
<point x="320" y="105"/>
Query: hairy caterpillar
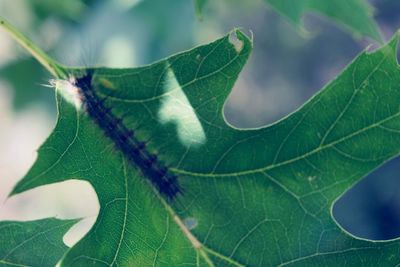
<point x="124" y="139"/>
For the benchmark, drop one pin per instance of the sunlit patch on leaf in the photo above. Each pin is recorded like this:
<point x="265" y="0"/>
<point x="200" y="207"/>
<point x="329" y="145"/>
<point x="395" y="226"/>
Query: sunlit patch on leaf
<point x="177" y="109"/>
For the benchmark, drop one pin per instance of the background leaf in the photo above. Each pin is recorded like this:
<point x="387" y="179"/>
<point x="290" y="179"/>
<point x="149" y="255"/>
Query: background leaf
<point x="355" y="15"/>
<point x="199" y="5"/>
<point x="27" y="90"/>
<point x="36" y="243"/>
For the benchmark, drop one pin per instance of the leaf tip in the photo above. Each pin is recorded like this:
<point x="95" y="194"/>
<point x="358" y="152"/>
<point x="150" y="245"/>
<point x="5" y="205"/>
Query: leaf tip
<point x="18" y="188"/>
<point x="397" y="36"/>
<point x="388" y="48"/>
<point x="13" y="192"/>
<point x="240" y="40"/>
<point x="393" y="43"/>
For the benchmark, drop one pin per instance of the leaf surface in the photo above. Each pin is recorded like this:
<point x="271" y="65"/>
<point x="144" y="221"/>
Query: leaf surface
<point x="36" y="243"/>
<point x="251" y="197"/>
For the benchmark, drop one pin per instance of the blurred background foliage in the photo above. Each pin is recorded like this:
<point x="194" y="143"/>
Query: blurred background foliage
<point x="285" y="69"/>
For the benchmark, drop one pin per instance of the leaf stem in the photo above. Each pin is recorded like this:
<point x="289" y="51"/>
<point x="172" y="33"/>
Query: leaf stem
<point x="55" y="69"/>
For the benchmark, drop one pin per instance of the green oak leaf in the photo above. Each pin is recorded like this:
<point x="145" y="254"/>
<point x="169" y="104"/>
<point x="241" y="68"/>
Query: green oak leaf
<point x="36" y="243"/>
<point x="251" y="197"/>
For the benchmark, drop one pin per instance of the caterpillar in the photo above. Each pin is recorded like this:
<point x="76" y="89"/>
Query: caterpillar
<point x="125" y="140"/>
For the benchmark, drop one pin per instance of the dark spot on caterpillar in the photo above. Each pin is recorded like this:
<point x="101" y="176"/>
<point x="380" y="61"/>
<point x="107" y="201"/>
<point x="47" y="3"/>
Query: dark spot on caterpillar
<point x="125" y="140"/>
